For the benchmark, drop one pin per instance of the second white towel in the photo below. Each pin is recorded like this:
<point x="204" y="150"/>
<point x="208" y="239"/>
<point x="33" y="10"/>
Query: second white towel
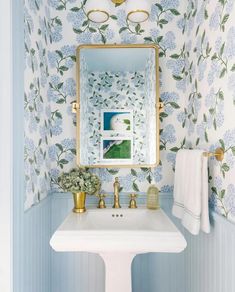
<point x="191" y="190"/>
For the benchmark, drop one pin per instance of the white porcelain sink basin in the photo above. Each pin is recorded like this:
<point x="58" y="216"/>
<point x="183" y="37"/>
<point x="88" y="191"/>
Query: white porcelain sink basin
<point x="118" y="235"/>
<point x="121" y="230"/>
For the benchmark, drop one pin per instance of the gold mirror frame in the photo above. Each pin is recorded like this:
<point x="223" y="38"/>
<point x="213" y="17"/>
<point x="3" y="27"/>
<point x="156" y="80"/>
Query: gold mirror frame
<point x="159" y="105"/>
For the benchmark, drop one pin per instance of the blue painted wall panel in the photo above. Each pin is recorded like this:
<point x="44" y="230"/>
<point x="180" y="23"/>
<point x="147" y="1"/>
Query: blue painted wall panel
<point x="210" y="259"/>
<point x="36" y="249"/>
<point x="207" y="265"/>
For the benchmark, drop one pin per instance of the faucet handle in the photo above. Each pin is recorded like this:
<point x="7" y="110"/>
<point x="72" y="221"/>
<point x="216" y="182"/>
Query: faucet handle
<point x="101" y="204"/>
<point x="133" y="196"/>
<point x="132" y="204"/>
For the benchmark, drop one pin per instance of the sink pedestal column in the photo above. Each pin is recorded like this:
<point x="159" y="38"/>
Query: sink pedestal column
<point x="117" y="271"/>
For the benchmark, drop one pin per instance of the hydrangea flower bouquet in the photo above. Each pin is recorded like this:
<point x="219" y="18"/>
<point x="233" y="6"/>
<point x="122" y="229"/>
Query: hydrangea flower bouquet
<point x="79" y="181"/>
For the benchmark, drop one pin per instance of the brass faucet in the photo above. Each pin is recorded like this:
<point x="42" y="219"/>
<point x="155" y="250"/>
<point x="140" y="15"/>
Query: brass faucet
<point x="116" y="186"/>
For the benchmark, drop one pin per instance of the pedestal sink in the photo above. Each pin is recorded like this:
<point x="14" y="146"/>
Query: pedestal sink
<point x="118" y="235"/>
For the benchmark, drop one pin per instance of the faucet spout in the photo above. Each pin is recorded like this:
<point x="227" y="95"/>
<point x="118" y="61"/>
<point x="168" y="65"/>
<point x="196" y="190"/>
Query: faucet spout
<point x="116" y="186"/>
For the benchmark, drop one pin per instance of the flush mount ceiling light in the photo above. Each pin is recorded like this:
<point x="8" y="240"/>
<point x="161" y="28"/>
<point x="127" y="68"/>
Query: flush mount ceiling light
<point x="99" y="10"/>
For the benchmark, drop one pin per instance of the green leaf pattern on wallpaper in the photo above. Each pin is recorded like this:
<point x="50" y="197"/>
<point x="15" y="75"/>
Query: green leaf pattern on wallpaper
<point x="208" y="114"/>
<point x="106" y="90"/>
<point x="197" y="65"/>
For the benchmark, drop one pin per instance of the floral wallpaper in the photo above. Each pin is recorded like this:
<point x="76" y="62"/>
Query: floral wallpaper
<point x="60" y="26"/>
<point x="208" y="115"/>
<point x="106" y="90"/>
<point x="37" y="111"/>
<point x="197" y="66"/>
<point x="162" y="28"/>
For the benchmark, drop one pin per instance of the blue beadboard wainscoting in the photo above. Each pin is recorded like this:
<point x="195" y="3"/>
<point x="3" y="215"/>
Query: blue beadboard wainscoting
<point x="36" y="249"/>
<point x="207" y="265"/>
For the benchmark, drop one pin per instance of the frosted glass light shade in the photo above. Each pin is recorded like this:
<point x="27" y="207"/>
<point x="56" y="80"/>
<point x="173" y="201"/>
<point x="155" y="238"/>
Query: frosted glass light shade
<point x="137" y="10"/>
<point x="98" y="10"/>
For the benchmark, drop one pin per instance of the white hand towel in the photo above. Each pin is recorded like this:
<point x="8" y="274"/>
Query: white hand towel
<point x="191" y="190"/>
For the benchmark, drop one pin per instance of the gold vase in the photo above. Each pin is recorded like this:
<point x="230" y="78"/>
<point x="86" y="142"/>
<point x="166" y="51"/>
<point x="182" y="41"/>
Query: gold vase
<point x="79" y="202"/>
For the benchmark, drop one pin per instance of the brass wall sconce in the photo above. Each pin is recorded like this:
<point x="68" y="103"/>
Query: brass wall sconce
<point x="99" y="11"/>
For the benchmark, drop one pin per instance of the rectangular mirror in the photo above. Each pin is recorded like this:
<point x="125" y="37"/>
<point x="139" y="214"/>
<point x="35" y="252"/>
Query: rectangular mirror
<point x="117" y="106"/>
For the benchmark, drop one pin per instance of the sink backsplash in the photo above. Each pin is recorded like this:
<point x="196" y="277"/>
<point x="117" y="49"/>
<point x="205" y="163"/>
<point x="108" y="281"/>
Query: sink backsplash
<point x="141" y="200"/>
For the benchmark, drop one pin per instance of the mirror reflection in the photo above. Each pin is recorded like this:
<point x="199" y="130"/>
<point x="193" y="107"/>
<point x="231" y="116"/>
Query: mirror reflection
<point x="118" y="96"/>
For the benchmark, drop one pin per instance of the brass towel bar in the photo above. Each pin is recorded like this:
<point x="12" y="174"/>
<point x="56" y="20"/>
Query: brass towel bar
<point x="219" y="154"/>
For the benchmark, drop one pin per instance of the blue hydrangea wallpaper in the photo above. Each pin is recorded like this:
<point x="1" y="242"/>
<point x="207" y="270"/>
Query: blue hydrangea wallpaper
<point x="103" y="91"/>
<point x="197" y="75"/>
<point x="208" y="115"/>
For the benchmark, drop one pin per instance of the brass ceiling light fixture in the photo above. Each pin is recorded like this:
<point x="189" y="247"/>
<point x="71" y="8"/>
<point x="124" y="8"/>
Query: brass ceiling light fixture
<point x="99" y="10"/>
